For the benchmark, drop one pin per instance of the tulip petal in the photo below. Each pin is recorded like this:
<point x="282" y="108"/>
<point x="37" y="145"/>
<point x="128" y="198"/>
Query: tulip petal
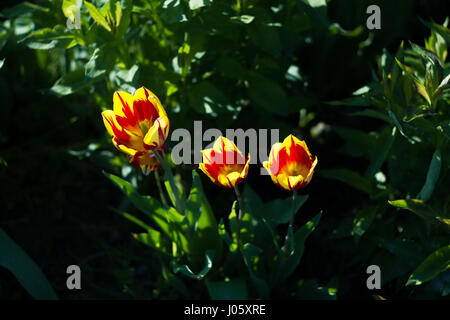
<point x="155" y="109"/>
<point x="225" y="181"/>
<point x="311" y="171"/>
<point x="227" y="152"/>
<point x="295" y="181"/>
<point x="274" y="159"/>
<point x="234" y="178"/>
<point x="123" y="109"/>
<point x="294" y="145"/>
<point x="283" y="181"/>
<point x="111" y="124"/>
<point x="157" y="134"/>
<point x="144" y="160"/>
<point x="145" y="106"/>
<point x="207" y="171"/>
<point x="244" y="171"/>
<point x="124" y="148"/>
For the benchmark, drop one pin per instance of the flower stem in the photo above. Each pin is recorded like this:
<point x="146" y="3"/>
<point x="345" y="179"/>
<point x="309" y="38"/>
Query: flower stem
<point x="169" y="176"/>
<point x="161" y="191"/>
<point x="239" y="218"/>
<point x="290" y="232"/>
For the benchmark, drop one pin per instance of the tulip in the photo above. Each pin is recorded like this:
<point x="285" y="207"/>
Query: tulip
<point x="224" y="164"/>
<point x="145" y="160"/>
<point x="290" y="165"/>
<point x="138" y="123"/>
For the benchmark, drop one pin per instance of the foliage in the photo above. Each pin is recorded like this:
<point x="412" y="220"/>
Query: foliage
<point x="380" y="194"/>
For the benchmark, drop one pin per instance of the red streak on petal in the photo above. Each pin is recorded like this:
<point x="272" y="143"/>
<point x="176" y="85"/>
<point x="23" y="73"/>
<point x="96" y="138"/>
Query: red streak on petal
<point x="119" y="134"/>
<point x="231" y="185"/>
<point x="127" y="111"/>
<point x="289" y="183"/>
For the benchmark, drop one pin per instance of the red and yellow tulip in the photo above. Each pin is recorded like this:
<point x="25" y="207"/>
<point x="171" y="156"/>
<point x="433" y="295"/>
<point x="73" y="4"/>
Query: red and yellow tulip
<point x="138" y="123"/>
<point x="145" y="160"/>
<point x="291" y="165"/>
<point x="224" y="164"/>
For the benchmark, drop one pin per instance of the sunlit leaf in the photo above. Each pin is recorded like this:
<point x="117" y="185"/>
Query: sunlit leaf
<point x="97" y="16"/>
<point x="433" y="265"/>
<point x="185" y="270"/>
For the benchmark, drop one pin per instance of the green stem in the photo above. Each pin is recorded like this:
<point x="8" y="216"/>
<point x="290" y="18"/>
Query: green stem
<point x="239" y="218"/>
<point x="161" y="191"/>
<point x="169" y="176"/>
<point x="290" y="232"/>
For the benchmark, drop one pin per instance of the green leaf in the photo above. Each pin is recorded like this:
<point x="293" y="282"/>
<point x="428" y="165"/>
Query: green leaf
<point x="227" y="290"/>
<point x="310" y="290"/>
<point x="289" y="263"/>
<point x="185" y="270"/>
<point x="349" y="177"/>
<point x="267" y="94"/>
<point x="408" y="251"/>
<point x="431" y="57"/>
<point x="194" y="201"/>
<point x="280" y="210"/>
<point x="15" y="259"/>
<point x="123" y="17"/>
<point x="22" y="9"/>
<point x="357" y="142"/>
<point x="251" y="255"/>
<point x="421" y="89"/>
<point x="432" y="177"/>
<point x="224" y="233"/>
<point x="204" y="97"/>
<point x="359" y="101"/>
<point x="399" y="126"/>
<point x="72" y="82"/>
<point x="155" y="240"/>
<point x="148" y="205"/>
<point x="133" y="219"/>
<point x="173" y="280"/>
<point x="420" y="209"/>
<point x="196" y="4"/>
<point x="440" y="29"/>
<point x="362" y="221"/>
<point x="97" y="16"/>
<point x="118" y="14"/>
<point x="69" y="7"/>
<point x="372" y="114"/>
<point x="50" y="38"/>
<point x="231" y="68"/>
<point x="244" y="19"/>
<point x="263" y="34"/>
<point x="433" y="265"/>
<point x="380" y="150"/>
<point x="247" y="225"/>
<point x="172" y="12"/>
<point x="202" y="219"/>
<point x="100" y="62"/>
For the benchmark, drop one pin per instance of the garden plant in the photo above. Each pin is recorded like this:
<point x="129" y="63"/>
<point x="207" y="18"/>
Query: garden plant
<point x="215" y="149"/>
